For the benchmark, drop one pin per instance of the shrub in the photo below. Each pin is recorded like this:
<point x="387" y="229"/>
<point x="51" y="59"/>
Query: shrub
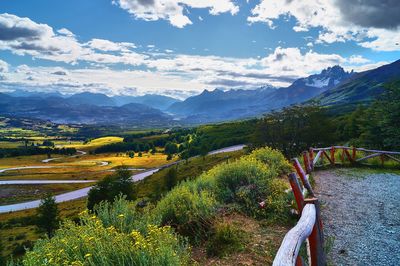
<point x="273" y="159"/>
<point x="187" y="210"/>
<point x="91" y="243"/>
<point x="110" y="187"/>
<point x="124" y="215"/>
<point x="248" y="181"/>
<point x="226" y="239"/>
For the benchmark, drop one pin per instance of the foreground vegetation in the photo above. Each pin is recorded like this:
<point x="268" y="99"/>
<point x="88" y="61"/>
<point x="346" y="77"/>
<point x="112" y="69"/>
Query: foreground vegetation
<point x="123" y="233"/>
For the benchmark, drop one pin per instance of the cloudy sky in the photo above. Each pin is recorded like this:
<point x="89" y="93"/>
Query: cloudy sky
<point x="180" y="47"/>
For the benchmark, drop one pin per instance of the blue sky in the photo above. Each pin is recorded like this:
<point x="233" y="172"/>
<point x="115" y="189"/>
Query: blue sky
<point x="180" y="47"/>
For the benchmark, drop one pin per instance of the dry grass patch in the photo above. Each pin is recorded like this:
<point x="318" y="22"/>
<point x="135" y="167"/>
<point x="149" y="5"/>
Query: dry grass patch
<point x="261" y="243"/>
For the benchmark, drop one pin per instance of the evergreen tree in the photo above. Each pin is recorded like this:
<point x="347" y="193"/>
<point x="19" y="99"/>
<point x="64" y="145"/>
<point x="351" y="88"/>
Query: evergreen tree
<point x="48" y="215"/>
<point x="110" y="187"/>
<point x="171" y="178"/>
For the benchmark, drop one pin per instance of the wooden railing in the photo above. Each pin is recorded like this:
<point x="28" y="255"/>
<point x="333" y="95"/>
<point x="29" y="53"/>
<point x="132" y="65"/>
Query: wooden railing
<point x="309" y="228"/>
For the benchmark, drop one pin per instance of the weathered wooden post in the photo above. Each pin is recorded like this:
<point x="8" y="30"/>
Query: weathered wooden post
<point x="348" y="156"/>
<point x="316" y="239"/>
<point x="298" y="195"/>
<point x="306" y="161"/>
<point x="302" y="176"/>
<point x="342" y="156"/>
<point x="354" y="153"/>
<point x="311" y="152"/>
<point x="333" y="155"/>
<point x="382" y="156"/>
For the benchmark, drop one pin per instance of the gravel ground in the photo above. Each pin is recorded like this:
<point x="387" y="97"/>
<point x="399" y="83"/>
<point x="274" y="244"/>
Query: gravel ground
<point x="361" y="216"/>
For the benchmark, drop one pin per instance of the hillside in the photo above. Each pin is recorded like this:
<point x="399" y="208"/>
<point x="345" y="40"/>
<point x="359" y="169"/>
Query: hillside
<point x="361" y="88"/>
<point x="218" y="105"/>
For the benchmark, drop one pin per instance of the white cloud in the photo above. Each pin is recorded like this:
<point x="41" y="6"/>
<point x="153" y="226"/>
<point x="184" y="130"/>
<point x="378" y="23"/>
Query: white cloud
<point x="3" y="66"/>
<point x="332" y="17"/>
<point x="106" y="45"/>
<point x="66" y="32"/>
<point x="151" y="71"/>
<point x="23" y="36"/>
<point x="174" y="10"/>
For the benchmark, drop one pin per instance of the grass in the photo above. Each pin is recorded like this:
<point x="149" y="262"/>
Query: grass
<point x="95" y="143"/>
<point x="195" y="208"/>
<point x="258" y="246"/>
<point x="10" y="144"/>
<point x="153" y="186"/>
<point x="13" y="224"/>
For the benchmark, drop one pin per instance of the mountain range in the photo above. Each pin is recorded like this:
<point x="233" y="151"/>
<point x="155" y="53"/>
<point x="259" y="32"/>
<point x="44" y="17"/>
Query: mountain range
<point x="333" y="87"/>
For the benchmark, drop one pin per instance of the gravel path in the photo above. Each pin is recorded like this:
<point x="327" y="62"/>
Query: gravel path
<point x="361" y="215"/>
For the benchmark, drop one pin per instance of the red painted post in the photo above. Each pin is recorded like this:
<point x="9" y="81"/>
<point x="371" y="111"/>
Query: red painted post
<point x="298" y="195"/>
<point x="342" y="157"/>
<point x="302" y="176"/>
<point x="348" y="156"/>
<point x="306" y="162"/>
<point x="311" y="152"/>
<point x="316" y="239"/>
<point x="382" y="159"/>
<point x="354" y="153"/>
<point x="333" y="155"/>
<point x="299" y="261"/>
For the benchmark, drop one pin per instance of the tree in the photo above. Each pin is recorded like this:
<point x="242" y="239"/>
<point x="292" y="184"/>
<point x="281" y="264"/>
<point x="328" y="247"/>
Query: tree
<point x="169" y="157"/>
<point x="153" y="150"/>
<point x="382" y="129"/>
<point x="204" y="150"/>
<point x="48" y="215"/>
<point x="48" y="143"/>
<point x="295" y="129"/>
<point x="110" y="187"/>
<point x="170" y="148"/>
<point x="131" y="154"/>
<point x="171" y="178"/>
<point x="140" y="154"/>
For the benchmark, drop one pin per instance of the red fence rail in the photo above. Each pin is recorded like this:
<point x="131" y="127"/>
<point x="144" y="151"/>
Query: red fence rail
<point x="309" y="227"/>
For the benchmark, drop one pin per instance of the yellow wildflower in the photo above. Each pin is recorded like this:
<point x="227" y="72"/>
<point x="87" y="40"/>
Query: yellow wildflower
<point x="88" y="255"/>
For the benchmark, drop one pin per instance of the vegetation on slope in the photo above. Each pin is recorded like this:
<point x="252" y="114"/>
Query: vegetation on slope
<point x="122" y="233"/>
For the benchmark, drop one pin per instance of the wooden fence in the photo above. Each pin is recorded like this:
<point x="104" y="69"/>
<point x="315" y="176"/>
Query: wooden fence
<point x="309" y="228"/>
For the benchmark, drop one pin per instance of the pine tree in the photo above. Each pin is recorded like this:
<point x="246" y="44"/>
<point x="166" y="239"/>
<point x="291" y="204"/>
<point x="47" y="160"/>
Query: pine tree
<point x="48" y="215"/>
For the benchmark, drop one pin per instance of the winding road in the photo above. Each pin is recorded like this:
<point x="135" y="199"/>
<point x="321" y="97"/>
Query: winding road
<point x="80" y="193"/>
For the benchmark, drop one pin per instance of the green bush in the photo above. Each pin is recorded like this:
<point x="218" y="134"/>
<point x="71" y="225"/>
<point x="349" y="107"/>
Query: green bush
<point x="91" y="243"/>
<point x="273" y="159"/>
<point x="226" y="239"/>
<point x="187" y="210"/>
<point x="110" y="187"/>
<point x="124" y="215"/>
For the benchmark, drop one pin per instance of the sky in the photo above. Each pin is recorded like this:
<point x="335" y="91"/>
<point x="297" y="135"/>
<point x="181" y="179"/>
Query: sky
<point x="181" y="47"/>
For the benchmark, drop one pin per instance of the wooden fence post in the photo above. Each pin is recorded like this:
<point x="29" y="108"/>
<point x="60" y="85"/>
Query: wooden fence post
<point x="348" y="155"/>
<point x="316" y="238"/>
<point x="333" y="155"/>
<point x="342" y="156"/>
<point x="302" y="176"/>
<point x="298" y="195"/>
<point x="354" y="153"/>
<point x="306" y="162"/>
<point x="311" y="152"/>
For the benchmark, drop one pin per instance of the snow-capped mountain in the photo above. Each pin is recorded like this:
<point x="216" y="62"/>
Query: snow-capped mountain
<point x="306" y="88"/>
